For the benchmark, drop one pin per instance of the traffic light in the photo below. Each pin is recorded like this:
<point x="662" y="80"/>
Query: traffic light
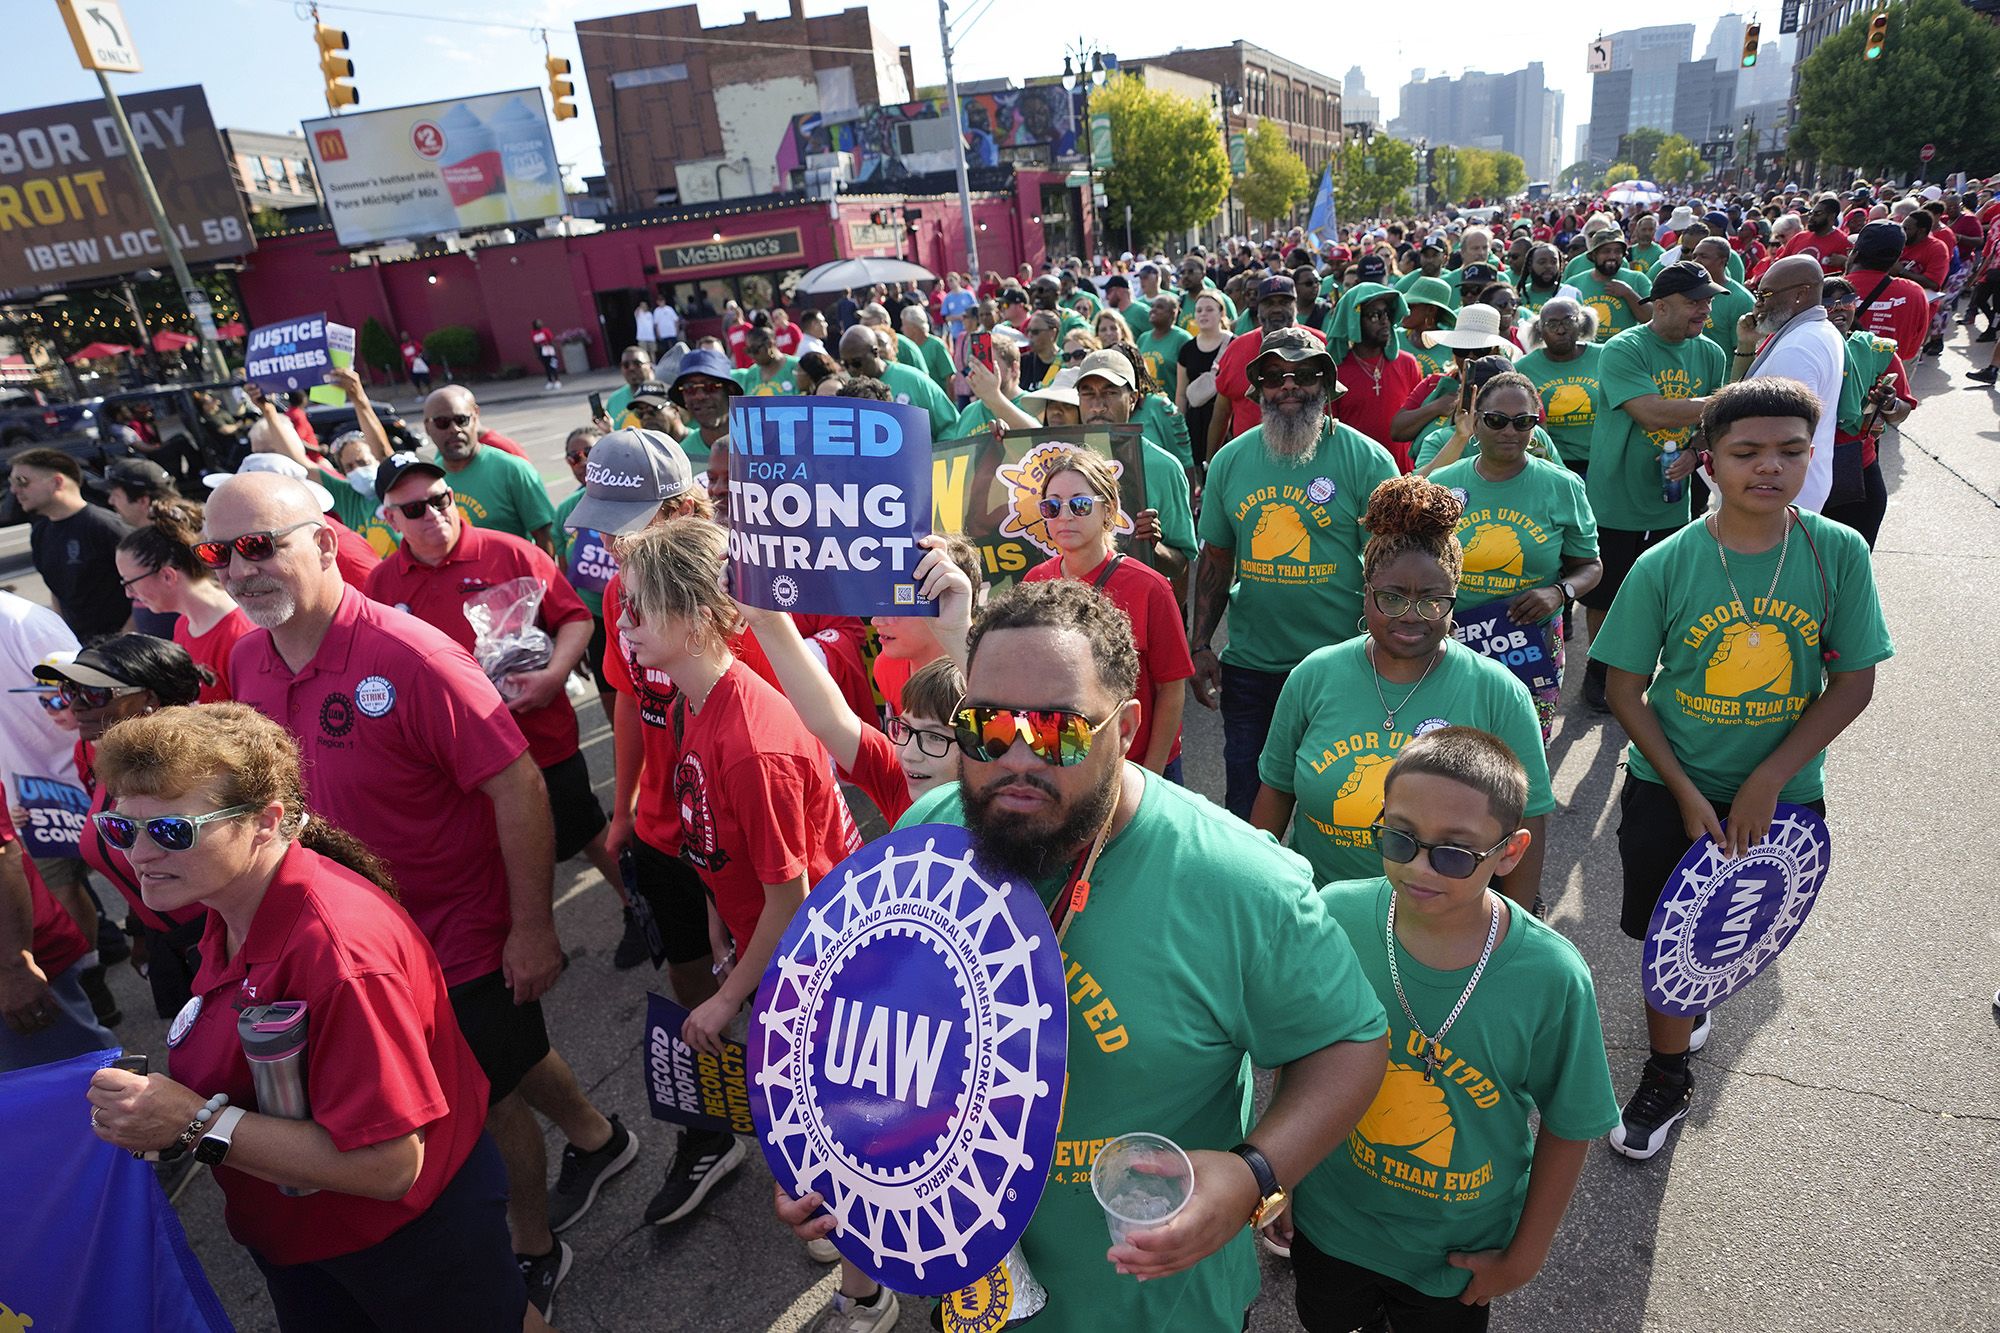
<point x="1750" y="46"/>
<point x="335" y="66"/>
<point x="1878" y="36"/>
<point x="560" y="88"/>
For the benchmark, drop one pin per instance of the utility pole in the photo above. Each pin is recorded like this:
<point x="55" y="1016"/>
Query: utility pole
<point x="958" y="136"/>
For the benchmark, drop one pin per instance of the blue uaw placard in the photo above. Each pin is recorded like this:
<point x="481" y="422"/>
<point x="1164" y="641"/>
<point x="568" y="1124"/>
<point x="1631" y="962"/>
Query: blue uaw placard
<point x="906" y="1058"/>
<point x="296" y="354"/>
<point x="827" y="498"/>
<point x="1721" y="922"/>
<point x="1525" y="650"/>
<point x="55" y="814"/>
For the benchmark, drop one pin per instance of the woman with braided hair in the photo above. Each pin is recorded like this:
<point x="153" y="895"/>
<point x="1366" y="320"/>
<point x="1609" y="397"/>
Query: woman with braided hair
<point x="1348" y="709"/>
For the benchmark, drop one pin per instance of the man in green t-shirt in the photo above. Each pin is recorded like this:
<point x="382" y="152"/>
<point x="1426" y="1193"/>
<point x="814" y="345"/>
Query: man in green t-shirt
<point x="1430" y="264"/>
<point x="495" y="489"/>
<point x="1162" y="341"/>
<point x="1738" y="650"/>
<point x="1202" y="951"/>
<point x="936" y="355"/>
<point x="770" y="373"/>
<point x="1736" y="301"/>
<point x="863" y="351"/>
<point x="1076" y="298"/>
<point x="1564" y="368"/>
<point x="901" y="350"/>
<point x="1644" y="248"/>
<point x="637" y="367"/>
<point x="702" y="390"/>
<point x="1281" y="546"/>
<point x="1617" y="294"/>
<point x="1656" y="381"/>
<point x="1431" y="309"/>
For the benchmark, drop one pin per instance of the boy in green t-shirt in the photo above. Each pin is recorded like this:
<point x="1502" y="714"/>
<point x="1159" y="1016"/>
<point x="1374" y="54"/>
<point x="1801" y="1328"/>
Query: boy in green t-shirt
<point x="1442" y="1199"/>
<point x="1759" y="631"/>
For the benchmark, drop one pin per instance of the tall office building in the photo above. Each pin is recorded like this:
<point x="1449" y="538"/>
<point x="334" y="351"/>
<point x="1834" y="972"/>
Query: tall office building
<point x="1357" y="104"/>
<point x="1655" y="83"/>
<point x="1516" y="113"/>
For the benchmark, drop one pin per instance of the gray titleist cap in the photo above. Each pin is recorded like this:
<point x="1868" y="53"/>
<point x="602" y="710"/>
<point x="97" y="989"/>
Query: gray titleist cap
<point x="629" y="475"/>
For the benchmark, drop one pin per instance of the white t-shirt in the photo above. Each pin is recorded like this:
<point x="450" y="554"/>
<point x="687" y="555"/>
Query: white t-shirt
<point x="30" y="744"/>
<point x="644" y="320"/>
<point x="666" y="323"/>
<point x="1809" y="350"/>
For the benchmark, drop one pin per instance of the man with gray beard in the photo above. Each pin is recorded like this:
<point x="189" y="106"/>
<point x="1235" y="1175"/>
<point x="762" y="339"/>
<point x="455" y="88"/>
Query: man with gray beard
<point x="1281" y="521"/>
<point x="1801" y="346"/>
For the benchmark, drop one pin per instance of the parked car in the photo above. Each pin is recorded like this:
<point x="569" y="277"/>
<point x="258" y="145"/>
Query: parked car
<point x="26" y="419"/>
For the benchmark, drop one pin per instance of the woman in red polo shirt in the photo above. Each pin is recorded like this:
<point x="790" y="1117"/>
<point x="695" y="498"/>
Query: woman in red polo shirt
<point x="386" y="1208"/>
<point x="161" y="574"/>
<point x="1080" y="511"/>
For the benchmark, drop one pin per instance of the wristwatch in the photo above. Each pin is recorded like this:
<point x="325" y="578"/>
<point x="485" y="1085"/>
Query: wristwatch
<point x="213" y="1146"/>
<point x="1272" y="1197"/>
<point x="1568" y="592"/>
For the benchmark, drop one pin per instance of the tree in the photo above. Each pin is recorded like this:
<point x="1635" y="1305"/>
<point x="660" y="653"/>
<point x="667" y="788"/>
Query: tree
<point x="1476" y="174"/>
<point x="1578" y="178"/>
<point x="1677" y="160"/>
<point x="1621" y="171"/>
<point x="1640" y="147"/>
<point x="1364" y="192"/>
<point x="1275" y="178"/>
<point x="1510" y="173"/>
<point x="376" y="346"/>
<point x="1937" y="81"/>
<point x="1169" y="162"/>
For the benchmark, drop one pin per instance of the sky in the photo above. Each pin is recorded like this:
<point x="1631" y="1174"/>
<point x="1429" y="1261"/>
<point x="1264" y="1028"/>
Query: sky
<point x="257" y="61"/>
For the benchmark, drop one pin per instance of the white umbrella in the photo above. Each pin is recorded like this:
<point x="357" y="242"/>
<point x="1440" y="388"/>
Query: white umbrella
<point x="844" y="275"/>
<point x="1635" y="192"/>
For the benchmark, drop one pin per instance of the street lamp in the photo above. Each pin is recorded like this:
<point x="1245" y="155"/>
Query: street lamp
<point x="1085" y="67"/>
<point x="1226" y="99"/>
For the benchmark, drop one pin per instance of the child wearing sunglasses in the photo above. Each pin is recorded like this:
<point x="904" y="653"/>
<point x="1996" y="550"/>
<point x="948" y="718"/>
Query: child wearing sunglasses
<point x="1442" y="1199"/>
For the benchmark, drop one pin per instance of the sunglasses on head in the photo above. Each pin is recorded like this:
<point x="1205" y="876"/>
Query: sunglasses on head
<point x="933" y="743"/>
<point x="1080" y="506"/>
<point x="438" y="503"/>
<point x="1054" y="735"/>
<point x="1519" y="421"/>
<point x="252" y="546"/>
<point x="1304" y="377"/>
<point x="1451" y="861"/>
<point x="170" y="833"/>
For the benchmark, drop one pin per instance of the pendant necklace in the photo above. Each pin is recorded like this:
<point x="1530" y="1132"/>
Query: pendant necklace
<point x="1389" y="721"/>
<point x="1743" y="607"/>
<point x="1433" y="1045"/>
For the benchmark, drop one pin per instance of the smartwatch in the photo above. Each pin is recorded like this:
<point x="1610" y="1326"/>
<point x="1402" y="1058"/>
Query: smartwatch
<point x="213" y="1146"/>
<point x="1271" y="1195"/>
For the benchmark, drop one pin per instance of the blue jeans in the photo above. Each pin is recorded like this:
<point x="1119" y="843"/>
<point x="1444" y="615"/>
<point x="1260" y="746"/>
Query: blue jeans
<point x="1249" y="698"/>
<point x="74" y="1031"/>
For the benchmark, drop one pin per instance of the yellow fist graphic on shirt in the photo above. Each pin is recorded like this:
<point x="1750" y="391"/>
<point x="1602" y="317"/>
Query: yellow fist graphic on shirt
<point x="1495" y="548"/>
<point x="1359" y="799"/>
<point x="1567" y="401"/>
<point x="1739" y="667"/>
<point x="1280" y="534"/>
<point x="1409" y="1112"/>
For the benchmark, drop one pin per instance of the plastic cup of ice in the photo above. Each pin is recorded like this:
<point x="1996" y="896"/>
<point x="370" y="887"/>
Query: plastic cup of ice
<point x="1141" y="1181"/>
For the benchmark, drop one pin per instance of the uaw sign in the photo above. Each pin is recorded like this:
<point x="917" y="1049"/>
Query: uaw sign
<point x="297" y="354"/>
<point x="691" y="1087"/>
<point x="735" y="252"/>
<point x="1525" y="650"/>
<point x="906" y="1058"/>
<point x="1721" y="922"/>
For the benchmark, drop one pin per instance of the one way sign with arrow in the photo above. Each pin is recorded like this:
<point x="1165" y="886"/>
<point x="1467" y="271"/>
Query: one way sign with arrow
<point x="99" y="32"/>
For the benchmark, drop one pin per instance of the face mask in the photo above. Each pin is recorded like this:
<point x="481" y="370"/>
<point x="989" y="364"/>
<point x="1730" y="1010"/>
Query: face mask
<point x="362" y="479"/>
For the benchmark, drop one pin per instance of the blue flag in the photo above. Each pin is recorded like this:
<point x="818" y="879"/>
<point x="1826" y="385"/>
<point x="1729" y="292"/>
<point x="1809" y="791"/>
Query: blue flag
<point x="93" y="1242"/>
<point x="1324" y="226"/>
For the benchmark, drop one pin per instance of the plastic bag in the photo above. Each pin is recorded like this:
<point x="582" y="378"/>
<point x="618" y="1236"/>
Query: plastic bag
<point x="506" y="639"/>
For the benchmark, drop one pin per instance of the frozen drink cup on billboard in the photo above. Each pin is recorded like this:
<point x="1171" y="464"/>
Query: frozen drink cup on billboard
<point x="471" y="169"/>
<point x="1141" y="1181"/>
<point x="534" y="187"/>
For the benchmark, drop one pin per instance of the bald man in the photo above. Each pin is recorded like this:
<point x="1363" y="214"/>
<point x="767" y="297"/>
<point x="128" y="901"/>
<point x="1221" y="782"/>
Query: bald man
<point x="863" y="352"/>
<point x="1800" y="345"/>
<point x="495" y="489"/>
<point x="1712" y="253"/>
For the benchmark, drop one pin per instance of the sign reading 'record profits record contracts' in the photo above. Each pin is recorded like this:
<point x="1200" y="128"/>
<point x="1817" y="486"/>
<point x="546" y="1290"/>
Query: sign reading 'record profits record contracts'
<point x="827" y="498"/>
<point x="906" y="1056"/>
<point x="691" y="1087"/>
<point x="70" y="206"/>
<point x="438" y="166"/>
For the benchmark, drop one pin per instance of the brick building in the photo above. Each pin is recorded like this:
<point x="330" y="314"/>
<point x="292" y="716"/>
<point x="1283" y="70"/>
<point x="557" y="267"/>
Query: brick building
<point x="1303" y="102"/>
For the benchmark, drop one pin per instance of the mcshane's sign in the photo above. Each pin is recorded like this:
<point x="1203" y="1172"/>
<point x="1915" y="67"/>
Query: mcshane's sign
<point x="759" y="251"/>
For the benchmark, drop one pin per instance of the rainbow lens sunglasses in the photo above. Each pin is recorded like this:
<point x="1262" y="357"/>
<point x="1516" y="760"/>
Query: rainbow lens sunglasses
<point x="1054" y="735"/>
<point x="170" y="833"/>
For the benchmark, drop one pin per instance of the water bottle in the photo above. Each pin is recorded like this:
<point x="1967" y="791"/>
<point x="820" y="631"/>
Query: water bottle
<point x="274" y="1044"/>
<point x="1672" y="490"/>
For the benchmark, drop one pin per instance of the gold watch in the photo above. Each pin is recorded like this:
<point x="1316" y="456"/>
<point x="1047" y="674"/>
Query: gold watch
<point x="1272" y="1197"/>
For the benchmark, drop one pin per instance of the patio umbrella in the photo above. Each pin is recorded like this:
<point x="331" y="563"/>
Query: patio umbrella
<point x="98" y="352"/>
<point x="232" y="330"/>
<point x="166" y="340"/>
<point x="1635" y="192"/>
<point x="844" y="275"/>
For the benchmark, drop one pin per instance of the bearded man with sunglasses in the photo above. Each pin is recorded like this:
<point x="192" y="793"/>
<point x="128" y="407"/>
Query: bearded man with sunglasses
<point x="494" y="488"/>
<point x="1281" y="546"/>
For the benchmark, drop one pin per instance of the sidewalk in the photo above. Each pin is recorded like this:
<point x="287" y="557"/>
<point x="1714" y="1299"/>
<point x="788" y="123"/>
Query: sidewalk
<point x="492" y="393"/>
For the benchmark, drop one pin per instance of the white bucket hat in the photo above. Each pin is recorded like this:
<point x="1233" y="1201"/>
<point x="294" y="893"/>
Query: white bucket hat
<point x="1477" y="330"/>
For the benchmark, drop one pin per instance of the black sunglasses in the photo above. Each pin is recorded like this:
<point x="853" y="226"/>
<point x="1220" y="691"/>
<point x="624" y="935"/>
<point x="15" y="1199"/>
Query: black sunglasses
<point x="1519" y="421"/>
<point x="1304" y="378"/>
<point x="415" y="508"/>
<point x="74" y="695"/>
<point x="454" y="419"/>
<point x="901" y="732"/>
<point x="1453" y="862"/>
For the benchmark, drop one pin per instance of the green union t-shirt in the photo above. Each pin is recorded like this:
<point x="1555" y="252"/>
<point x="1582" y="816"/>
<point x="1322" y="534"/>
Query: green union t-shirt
<point x="1203" y="943"/>
<point x="1327" y="748"/>
<point x="501" y="491"/>
<point x="1624" y="481"/>
<point x="1296" y="531"/>
<point x="1612" y="315"/>
<point x="1439" y="1167"/>
<point x="1723" y="312"/>
<point x="1162" y="351"/>
<point x="1517" y="533"/>
<point x="1571" y="395"/>
<point x="1731" y="681"/>
<point x="782" y="382"/>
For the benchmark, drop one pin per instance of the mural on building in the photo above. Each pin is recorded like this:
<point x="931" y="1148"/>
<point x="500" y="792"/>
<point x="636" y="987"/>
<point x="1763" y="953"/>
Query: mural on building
<point x="1015" y="118"/>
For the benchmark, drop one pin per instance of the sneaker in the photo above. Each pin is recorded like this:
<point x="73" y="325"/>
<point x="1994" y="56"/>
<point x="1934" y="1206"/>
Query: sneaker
<point x="1699" y="1037"/>
<point x="632" y="948"/>
<point x="1593" y="689"/>
<point x="1934" y="347"/>
<point x="700" y="1162"/>
<point x="102" y="1002"/>
<point x="584" y="1173"/>
<point x="823" y="1250"/>
<point x="1986" y="376"/>
<point x="846" y="1314"/>
<point x="177" y="1175"/>
<point x="544" y="1274"/>
<point x="1660" y="1103"/>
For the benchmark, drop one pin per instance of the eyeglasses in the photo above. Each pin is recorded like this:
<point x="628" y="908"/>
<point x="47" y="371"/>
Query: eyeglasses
<point x="1080" y="506"/>
<point x="126" y="584"/>
<point x="74" y="695"/>
<point x="1500" y="420"/>
<point x="170" y="833"/>
<point x="458" y="420"/>
<point x="1765" y="293"/>
<point x="1054" y="735"/>
<point x="1305" y="378"/>
<point x="436" y="503"/>
<point x="1451" y="861"/>
<point x="1394" y="604"/>
<point x="252" y="546"/>
<point x="901" y="733"/>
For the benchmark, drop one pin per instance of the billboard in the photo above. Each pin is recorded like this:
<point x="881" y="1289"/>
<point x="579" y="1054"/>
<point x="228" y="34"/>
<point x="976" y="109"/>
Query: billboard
<point x="414" y="171"/>
<point x="1043" y="114"/>
<point x="70" y="207"/>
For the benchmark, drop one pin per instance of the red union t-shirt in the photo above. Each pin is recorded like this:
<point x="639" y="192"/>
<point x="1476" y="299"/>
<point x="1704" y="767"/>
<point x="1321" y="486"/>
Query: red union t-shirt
<point x="1834" y="245"/>
<point x="1232" y="377"/>
<point x="211" y="651"/>
<point x="399" y="728"/>
<point x="352" y="554"/>
<point x="1370" y="408"/>
<point x="1147" y="600"/>
<point x="737" y="339"/>
<point x="878" y="771"/>
<point x="482" y="559"/>
<point x="1931" y="256"/>
<point x="384" y="1055"/>
<point x="1902" y="312"/>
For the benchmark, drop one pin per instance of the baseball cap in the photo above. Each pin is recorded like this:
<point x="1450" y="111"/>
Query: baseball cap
<point x="1118" y="280"/>
<point x="1476" y="276"/>
<point x="398" y="466"/>
<point x="134" y="474"/>
<point x="703" y="362"/>
<point x="1373" y="268"/>
<point x="1686" y="278"/>
<point x="654" y="392"/>
<point x="1433" y="242"/>
<point x="1879" y="244"/>
<point x="1106" y="364"/>
<point x="629" y="475"/>
<point x="86" y="667"/>
<point x="281" y="465"/>
<point x="1279" y="285"/>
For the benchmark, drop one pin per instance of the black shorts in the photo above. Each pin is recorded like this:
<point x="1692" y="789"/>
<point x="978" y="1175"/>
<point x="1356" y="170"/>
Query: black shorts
<point x="673" y="889"/>
<point x="1620" y="550"/>
<point x="1335" y="1296"/>
<point x="593" y="656"/>
<point x="507" y="1039"/>
<point x="1651" y="842"/>
<point x="578" y="814"/>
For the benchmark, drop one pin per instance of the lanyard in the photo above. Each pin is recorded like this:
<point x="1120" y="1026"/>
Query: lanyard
<point x="1075" y="895"/>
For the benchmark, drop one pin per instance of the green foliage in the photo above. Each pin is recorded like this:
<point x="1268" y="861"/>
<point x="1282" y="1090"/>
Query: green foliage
<point x="377" y="347"/>
<point x="1510" y="173"/>
<point x="1938" y="81"/>
<point x="453" y="349"/>
<point x="1640" y="146"/>
<point x="267" y="221"/>
<point x="1275" y="179"/>
<point x="1677" y="160"/>
<point x="1578" y="178"/>
<point x="1361" y="193"/>
<point x="1621" y="171"/>
<point x="1171" y="166"/>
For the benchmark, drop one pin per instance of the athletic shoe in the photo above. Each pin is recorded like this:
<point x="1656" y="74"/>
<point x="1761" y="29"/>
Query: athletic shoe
<point x="544" y="1274"/>
<point x="1986" y="376"/>
<point x="632" y="948"/>
<point x="700" y="1162"/>
<point x="102" y="1002"/>
<point x="1699" y="1037"/>
<point x="844" y="1314"/>
<point x="1660" y="1103"/>
<point x="584" y="1173"/>
<point x="1934" y="347"/>
<point x="1593" y="689"/>
<point x="823" y="1250"/>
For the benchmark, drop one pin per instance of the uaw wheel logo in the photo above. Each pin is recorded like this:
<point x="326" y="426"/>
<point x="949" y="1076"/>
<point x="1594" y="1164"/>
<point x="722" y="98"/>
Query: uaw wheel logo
<point x="1721" y="922"/>
<point x="906" y="1058"/>
<point x="785" y="590"/>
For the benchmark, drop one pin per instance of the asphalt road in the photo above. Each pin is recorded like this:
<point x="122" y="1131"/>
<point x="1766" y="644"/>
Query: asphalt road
<point x="1841" y="1168"/>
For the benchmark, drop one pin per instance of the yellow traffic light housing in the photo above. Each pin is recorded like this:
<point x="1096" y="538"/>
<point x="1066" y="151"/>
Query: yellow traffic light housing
<point x="560" y="88"/>
<point x="1878" y="36"/>
<point x="335" y="67"/>
<point x="1750" y="45"/>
